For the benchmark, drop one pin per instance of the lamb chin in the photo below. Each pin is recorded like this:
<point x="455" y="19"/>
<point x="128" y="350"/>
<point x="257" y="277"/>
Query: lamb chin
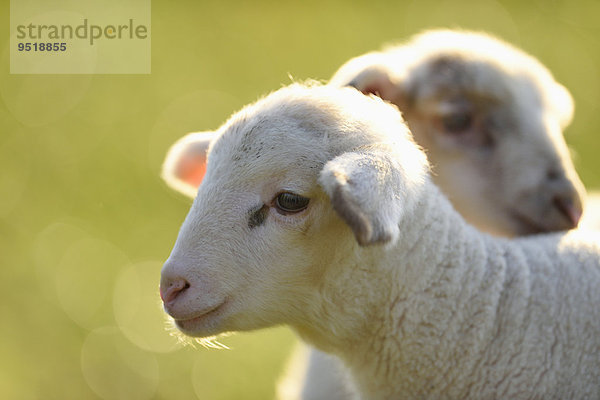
<point x="205" y="325"/>
<point x="196" y="328"/>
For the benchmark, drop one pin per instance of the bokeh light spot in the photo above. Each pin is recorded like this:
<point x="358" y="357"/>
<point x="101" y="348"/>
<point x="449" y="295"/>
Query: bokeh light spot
<point x="115" y="369"/>
<point x="85" y="279"/>
<point x="15" y="168"/>
<point x="197" y="111"/>
<point x="49" y="248"/>
<point x="138" y="310"/>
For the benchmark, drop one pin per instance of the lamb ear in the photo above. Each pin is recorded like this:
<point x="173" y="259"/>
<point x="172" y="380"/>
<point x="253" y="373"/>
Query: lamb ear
<point x="376" y="80"/>
<point x="366" y="190"/>
<point x="371" y="75"/>
<point x="185" y="164"/>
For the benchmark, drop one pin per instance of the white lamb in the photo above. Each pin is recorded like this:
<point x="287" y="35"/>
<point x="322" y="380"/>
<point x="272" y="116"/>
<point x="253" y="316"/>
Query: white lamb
<point x="301" y="190"/>
<point x="490" y="118"/>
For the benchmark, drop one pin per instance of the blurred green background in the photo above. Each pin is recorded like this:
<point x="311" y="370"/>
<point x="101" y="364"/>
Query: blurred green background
<point x="85" y="221"/>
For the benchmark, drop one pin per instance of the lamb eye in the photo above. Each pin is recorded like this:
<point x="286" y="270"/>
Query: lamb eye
<point x="290" y="202"/>
<point x="457" y="123"/>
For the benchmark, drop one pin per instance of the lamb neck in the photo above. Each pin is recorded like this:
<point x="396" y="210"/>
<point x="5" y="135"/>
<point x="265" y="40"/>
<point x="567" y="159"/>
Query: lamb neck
<point x="440" y="284"/>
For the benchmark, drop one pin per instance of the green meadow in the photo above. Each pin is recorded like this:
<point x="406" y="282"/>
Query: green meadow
<point x="86" y="222"/>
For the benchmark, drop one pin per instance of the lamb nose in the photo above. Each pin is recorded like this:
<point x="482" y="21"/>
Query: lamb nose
<point x="568" y="208"/>
<point x="170" y="290"/>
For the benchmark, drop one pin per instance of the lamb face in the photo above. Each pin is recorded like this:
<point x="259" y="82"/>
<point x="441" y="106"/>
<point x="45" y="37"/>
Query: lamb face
<point x="253" y="246"/>
<point x="491" y="119"/>
<point x="499" y="156"/>
<point x="240" y="250"/>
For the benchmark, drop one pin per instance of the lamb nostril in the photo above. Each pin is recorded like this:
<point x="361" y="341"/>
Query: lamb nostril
<point x="568" y="208"/>
<point x="173" y="289"/>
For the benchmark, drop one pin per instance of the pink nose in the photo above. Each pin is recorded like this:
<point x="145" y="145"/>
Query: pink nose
<point x="171" y="289"/>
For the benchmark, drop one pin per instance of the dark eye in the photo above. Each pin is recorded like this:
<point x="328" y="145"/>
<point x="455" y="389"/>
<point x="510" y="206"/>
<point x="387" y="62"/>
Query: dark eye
<point x="457" y="122"/>
<point x="290" y="202"/>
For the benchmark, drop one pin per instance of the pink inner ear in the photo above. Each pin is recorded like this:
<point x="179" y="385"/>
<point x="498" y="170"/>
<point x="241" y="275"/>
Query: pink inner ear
<point x="381" y="86"/>
<point x="371" y="90"/>
<point x="191" y="169"/>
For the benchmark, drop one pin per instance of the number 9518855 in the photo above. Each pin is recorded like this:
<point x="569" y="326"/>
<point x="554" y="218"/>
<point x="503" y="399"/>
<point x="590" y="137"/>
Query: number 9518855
<point x="42" y="46"/>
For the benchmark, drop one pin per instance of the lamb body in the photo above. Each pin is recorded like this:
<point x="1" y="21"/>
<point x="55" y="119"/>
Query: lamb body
<point x="378" y="268"/>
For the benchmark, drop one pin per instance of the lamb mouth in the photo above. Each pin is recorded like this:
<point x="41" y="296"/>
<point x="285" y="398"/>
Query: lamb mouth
<point x="527" y="225"/>
<point x="192" y="324"/>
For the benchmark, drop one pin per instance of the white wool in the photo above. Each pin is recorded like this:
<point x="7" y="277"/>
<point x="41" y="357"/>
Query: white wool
<point x="440" y="310"/>
<point x="591" y="217"/>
